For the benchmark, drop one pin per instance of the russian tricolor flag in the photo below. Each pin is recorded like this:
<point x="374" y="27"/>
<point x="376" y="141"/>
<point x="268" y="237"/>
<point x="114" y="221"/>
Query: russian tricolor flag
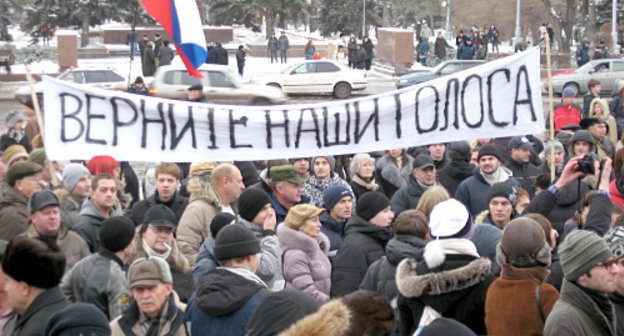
<point x="180" y="19"/>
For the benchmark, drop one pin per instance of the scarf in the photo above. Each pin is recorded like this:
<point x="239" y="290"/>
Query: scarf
<point x="601" y="299"/>
<point x="148" y="250"/>
<point x="436" y="250"/>
<point x="424" y="186"/>
<point x="245" y="273"/>
<point x="17" y="135"/>
<point x="369" y="185"/>
<point x="501" y="174"/>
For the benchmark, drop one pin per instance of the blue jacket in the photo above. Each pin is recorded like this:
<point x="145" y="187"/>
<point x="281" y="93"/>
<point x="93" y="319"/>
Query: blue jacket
<point x="224" y="302"/>
<point x="472" y="192"/>
<point x="582" y="53"/>
<point x="206" y="260"/>
<point x="465" y="52"/>
<point x="334" y="230"/>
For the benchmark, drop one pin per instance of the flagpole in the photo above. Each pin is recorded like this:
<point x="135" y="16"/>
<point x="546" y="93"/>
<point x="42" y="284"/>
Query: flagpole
<point x="550" y="108"/>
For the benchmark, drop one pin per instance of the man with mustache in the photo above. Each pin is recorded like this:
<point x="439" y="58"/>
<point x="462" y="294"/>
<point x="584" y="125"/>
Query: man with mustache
<point x="154" y="309"/>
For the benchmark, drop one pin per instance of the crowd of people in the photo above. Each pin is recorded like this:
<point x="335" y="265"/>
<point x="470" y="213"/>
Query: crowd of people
<point x="461" y="238"/>
<point x="154" y="53"/>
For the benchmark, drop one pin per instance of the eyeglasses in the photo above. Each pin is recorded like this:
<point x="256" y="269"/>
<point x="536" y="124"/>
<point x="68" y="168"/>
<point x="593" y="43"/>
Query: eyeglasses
<point x="609" y="263"/>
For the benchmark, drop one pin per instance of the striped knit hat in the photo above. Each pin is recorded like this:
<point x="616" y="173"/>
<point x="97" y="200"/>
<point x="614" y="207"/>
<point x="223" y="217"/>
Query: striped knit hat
<point x="581" y="251"/>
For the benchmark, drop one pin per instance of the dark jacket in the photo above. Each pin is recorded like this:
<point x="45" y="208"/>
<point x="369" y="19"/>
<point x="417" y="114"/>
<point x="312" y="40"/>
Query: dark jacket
<point x="224" y="302"/>
<point x="177" y="204"/>
<point x="240" y="58"/>
<point x="456" y="289"/>
<point x="6" y="141"/>
<point x="380" y="276"/>
<point x="439" y="48"/>
<point x="334" y="231"/>
<point x="13" y="214"/>
<point x="35" y="318"/>
<point x="218" y="55"/>
<point x="272" y="44"/>
<point x="618" y="302"/>
<point x="465" y="52"/>
<point x="99" y="279"/>
<point x="88" y="225"/>
<point x="368" y="47"/>
<point x="472" y="192"/>
<point x="576" y="313"/>
<point x="454" y="173"/>
<point x="359" y="189"/>
<point x="283" y="42"/>
<point x="128" y="323"/>
<point x="363" y="244"/>
<point x="567" y="204"/>
<point x="407" y="197"/>
<point x="149" y="62"/>
<point x="165" y="55"/>
<point x="132" y="182"/>
<point x="524" y="173"/>
<point x="587" y="99"/>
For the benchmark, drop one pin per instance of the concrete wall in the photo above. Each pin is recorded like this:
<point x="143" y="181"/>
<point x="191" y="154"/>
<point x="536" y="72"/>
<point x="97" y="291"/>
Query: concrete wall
<point x="120" y="36"/>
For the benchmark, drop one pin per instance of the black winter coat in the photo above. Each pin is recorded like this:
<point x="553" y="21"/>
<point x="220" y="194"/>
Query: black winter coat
<point x="35" y="318"/>
<point x="407" y="197"/>
<point x="218" y="55"/>
<point x="380" y="276"/>
<point x="359" y="190"/>
<point x="454" y="173"/>
<point x="6" y="141"/>
<point x="524" y="173"/>
<point x="132" y="182"/>
<point x="177" y="204"/>
<point x="363" y="244"/>
<point x="566" y="204"/>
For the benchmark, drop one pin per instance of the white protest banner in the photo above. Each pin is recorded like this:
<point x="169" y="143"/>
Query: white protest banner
<point x="499" y="98"/>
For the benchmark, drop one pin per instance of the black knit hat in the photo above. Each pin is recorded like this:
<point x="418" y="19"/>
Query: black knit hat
<point x="219" y="222"/>
<point x="78" y="319"/>
<point x="251" y="201"/>
<point x="116" y="233"/>
<point x="489" y="149"/>
<point x="235" y="241"/>
<point x="370" y="204"/>
<point x="279" y="311"/>
<point x="502" y="189"/>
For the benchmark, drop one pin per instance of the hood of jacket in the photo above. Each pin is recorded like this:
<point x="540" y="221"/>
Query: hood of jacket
<point x="291" y="239"/>
<point x="332" y="224"/>
<point x="447" y="285"/>
<point x="459" y="169"/>
<point x="332" y="319"/>
<point x="357" y="224"/>
<point x="404" y="246"/>
<point x="200" y="190"/>
<point x="223" y="292"/>
<point x="88" y="208"/>
<point x="582" y="135"/>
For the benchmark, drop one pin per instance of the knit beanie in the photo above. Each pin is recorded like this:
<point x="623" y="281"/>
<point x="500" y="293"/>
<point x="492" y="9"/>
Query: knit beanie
<point x="615" y="240"/>
<point x="220" y="221"/>
<point x="14" y="152"/>
<point x="38" y="156"/>
<point x="78" y="319"/>
<point x="370" y="204"/>
<point x="330" y="159"/>
<point x="235" y="241"/>
<point x="568" y="92"/>
<point x="450" y="219"/>
<point x="251" y="201"/>
<point x="334" y="194"/>
<point x="580" y="251"/>
<point x="116" y="233"/>
<point x="489" y="149"/>
<point x="72" y="173"/>
<point x="523" y="244"/>
<point x="13" y="117"/>
<point x="503" y="189"/>
<point x="279" y="311"/>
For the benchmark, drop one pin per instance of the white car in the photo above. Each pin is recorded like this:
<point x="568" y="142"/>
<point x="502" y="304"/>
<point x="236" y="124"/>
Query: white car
<point x="97" y="77"/>
<point x="317" y="77"/>
<point x="221" y="86"/>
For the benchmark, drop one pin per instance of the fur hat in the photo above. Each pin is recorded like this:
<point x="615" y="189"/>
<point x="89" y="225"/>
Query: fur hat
<point x="116" y="233"/>
<point x="13" y="118"/>
<point x="580" y="251"/>
<point x="251" y="201"/>
<point x="523" y="244"/>
<point x="78" y="319"/>
<point x="235" y="241"/>
<point x="330" y="159"/>
<point x="299" y="213"/>
<point x="149" y="272"/>
<point x="72" y="173"/>
<point x="332" y="319"/>
<point x="14" y="152"/>
<point x="334" y="194"/>
<point x="280" y="310"/>
<point x="450" y="219"/>
<point x="371" y="314"/>
<point x="38" y="262"/>
<point x="370" y="204"/>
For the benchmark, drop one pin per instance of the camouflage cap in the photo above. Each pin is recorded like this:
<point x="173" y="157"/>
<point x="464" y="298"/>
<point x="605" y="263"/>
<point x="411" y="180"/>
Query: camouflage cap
<point x="286" y="173"/>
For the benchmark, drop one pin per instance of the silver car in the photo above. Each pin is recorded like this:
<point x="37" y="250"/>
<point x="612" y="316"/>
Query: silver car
<point x="221" y="86"/>
<point x="607" y="71"/>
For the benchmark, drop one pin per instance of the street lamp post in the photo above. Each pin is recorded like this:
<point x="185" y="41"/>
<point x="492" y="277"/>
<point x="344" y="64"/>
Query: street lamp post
<point x="449" y="32"/>
<point x="614" y="26"/>
<point x="363" y="18"/>
<point x="517" y="32"/>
